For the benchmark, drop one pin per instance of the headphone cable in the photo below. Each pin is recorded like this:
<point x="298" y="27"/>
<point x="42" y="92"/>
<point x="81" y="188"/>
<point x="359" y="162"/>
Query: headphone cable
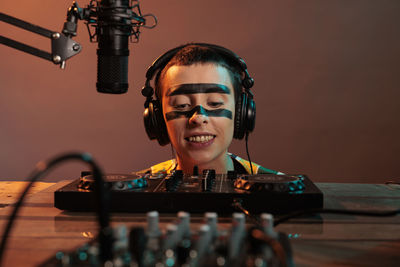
<point x="247" y="152"/>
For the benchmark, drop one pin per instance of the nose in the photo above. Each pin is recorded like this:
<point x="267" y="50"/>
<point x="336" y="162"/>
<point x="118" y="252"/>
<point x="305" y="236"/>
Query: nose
<point x="198" y="119"/>
<point x="199" y="116"/>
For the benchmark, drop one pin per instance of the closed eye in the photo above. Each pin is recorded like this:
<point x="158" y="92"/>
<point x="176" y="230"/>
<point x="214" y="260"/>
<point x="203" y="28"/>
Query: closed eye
<point x="215" y="104"/>
<point x="182" y="106"/>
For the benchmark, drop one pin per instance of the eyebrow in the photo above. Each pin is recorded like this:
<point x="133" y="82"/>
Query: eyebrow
<point x="198" y="88"/>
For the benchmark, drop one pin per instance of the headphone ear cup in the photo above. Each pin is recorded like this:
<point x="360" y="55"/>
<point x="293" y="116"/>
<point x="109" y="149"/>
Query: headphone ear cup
<point x="148" y="122"/>
<point x="154" y="123"/>
<point x="250" y="114"/>
<point x="240" y="112"/>
<point x="245" y="116"/>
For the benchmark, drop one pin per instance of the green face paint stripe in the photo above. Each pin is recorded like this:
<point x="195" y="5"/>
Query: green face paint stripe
<point x="172" y="115"/>
<point x="198" y="88"/>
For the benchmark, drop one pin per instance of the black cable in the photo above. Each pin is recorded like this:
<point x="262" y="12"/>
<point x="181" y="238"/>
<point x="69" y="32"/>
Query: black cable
<point x="247" y="152"/>
<point x="101" y="193"/>
<point x="393" y="182"/>
<point x="237" y="204"/>
<point x="394" y="185"/>
<point x="336" y="211"/>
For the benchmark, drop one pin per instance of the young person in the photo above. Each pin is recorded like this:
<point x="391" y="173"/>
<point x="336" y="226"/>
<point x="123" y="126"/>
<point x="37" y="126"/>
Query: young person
<point x="202" y="101"/>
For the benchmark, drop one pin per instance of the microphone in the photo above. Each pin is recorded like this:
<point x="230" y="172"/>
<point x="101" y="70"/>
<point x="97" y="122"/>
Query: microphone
<point x="113" y="30"/>
<point x="115" y="23"/>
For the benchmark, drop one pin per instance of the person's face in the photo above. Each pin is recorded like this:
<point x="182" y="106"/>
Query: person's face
<point x="199" y="109"/>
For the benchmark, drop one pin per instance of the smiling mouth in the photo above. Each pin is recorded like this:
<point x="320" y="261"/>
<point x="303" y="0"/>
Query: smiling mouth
<point x="200" y="138"/>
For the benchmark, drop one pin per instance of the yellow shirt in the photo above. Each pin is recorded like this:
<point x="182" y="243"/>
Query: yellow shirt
<point x="168" y="166"/>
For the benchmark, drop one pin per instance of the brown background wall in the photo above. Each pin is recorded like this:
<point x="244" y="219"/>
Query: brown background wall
<point x="327" y="87"/>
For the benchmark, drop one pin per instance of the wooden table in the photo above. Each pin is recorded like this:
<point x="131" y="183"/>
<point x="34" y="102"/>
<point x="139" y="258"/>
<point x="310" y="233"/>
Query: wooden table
<point x="327" y="240"/>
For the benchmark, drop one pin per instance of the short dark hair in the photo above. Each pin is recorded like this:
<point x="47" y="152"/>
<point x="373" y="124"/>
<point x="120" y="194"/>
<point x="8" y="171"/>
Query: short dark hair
<point x="198" y="54"/>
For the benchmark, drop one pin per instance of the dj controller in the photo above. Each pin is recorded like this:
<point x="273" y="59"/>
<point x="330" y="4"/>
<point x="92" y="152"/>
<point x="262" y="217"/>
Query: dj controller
<point x="195" y="193"/>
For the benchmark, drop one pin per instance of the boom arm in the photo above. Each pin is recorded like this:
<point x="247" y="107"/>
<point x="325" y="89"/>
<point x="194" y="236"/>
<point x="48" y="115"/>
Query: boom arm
<point x="62" y="46"/>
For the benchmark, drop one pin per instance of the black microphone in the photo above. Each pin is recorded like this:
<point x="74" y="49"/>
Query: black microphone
<point x="113" y="30"/>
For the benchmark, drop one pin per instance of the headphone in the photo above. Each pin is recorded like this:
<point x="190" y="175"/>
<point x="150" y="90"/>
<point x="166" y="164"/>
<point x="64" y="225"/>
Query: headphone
<point x="245" y="107"/>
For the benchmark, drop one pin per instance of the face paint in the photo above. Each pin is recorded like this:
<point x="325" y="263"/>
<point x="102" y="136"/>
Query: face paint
<point x="198" y="88"/>
<point x="199" y="110"/>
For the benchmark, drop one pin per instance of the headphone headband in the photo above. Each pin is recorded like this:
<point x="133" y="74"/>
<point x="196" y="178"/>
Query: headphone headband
<point x="163" y="60"/>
